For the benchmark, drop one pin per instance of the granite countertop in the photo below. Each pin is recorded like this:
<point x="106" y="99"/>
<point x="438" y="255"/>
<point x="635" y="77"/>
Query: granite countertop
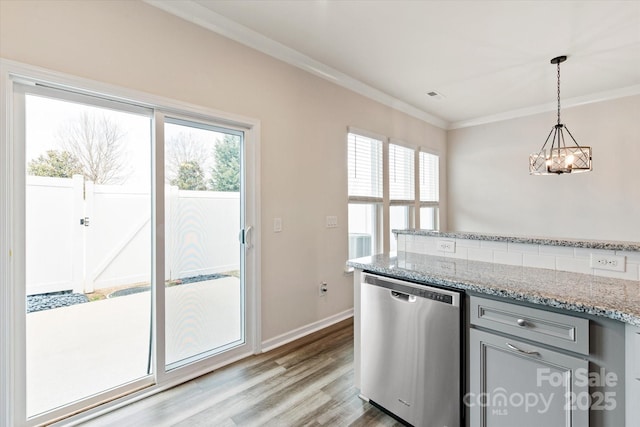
<point x="575" y="243"/>
<point x="601" y="296"/>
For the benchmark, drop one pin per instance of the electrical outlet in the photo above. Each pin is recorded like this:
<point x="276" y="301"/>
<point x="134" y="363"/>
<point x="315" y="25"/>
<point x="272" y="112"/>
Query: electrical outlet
<point x="446" y="267"/>
<point x="446" y="245"/>
<point x="322" y="290"/>
<point x="608" y="262"/>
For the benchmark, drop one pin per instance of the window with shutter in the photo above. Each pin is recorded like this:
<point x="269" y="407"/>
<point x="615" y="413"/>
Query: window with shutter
<point x="401" y="175"/>
<point x="429" y="190"/>
<point x="402" y="192"/>
<point x="365" y="195"/>
<point x="408" y="194"/>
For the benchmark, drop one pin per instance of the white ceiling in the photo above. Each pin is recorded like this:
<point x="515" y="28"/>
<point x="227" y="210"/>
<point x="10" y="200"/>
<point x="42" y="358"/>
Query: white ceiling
<point x="489" y="59"/>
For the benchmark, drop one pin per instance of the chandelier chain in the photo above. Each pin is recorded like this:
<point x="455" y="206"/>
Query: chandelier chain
<point x="558" y="92"/>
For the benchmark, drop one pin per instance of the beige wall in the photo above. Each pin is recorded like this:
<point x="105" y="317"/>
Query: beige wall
<point x="303" y="120"/>
<point x="491" y="191"/>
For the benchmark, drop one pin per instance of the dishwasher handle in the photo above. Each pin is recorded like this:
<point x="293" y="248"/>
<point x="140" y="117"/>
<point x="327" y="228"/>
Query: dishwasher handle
<point x="403" y="297"/>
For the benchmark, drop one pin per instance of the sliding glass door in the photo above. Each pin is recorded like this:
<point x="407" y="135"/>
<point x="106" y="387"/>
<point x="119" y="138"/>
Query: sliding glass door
<point x="204" y="286"/>
<point x="88" y="247"/>
<point x="135" y="237"/>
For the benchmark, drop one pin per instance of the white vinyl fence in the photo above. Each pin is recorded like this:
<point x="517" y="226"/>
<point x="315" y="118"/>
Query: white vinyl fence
<point x="82" y="237"/>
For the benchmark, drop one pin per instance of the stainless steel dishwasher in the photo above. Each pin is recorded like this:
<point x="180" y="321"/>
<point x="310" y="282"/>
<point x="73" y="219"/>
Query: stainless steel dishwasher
<point x="410" y="350"/>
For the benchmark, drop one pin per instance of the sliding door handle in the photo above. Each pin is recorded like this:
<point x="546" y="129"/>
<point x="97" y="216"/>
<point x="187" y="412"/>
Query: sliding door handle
<point x="248" y="237"/>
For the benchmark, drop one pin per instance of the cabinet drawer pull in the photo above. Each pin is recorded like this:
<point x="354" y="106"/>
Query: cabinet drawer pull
<point x="513" y="347"/>
<point x="521" y="322"/>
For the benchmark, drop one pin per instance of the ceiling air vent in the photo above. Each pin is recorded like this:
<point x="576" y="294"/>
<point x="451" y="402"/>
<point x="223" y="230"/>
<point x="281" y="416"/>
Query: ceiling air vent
<point x="435" y="95"/>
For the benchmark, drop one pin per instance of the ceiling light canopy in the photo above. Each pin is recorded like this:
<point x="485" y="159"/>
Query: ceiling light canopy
<point x="560" y="158"/>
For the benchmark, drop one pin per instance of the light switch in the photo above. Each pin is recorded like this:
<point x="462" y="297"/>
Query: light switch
<point x="332" y="221"/>
<point x="277" y="225"/>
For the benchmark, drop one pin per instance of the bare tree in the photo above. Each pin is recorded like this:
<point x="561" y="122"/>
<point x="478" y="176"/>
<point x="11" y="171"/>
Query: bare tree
<point x="184" y="149"/>
<point x="96" y="142"/>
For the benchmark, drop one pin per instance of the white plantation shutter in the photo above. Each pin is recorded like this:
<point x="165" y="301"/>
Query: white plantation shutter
<point x="373" y="199"/>
<point x="429" y="178"/>
<point x="365" y="168"/>
<point x="401" y="174"/>
<point x="429" y="191"/>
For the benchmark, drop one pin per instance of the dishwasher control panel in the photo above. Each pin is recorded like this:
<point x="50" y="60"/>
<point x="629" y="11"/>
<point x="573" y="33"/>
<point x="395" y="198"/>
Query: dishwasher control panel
<point x="435" y="296"/>
<point x="409" y="288"/>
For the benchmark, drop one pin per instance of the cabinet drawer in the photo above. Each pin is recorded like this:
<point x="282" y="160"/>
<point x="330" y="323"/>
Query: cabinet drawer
<point x="558" y="330"/>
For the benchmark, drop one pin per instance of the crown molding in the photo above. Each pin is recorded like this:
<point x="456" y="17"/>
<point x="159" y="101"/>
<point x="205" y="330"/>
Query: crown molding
<point x="199" y="15"/>
<point x="551" y="106"/>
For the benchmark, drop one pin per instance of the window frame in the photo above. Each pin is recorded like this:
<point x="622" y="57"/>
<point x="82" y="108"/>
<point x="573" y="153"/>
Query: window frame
<point x="376" y="202"/>
<point x="411" y="214"/>
<point x="427" y="204"/>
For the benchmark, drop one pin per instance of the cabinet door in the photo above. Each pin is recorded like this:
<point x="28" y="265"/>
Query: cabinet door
<point x="633" y="375"/>
<point x="513" y="383"/>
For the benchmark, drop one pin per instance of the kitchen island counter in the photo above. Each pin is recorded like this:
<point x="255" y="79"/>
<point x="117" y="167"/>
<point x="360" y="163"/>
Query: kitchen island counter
<point x="613" y="298"/>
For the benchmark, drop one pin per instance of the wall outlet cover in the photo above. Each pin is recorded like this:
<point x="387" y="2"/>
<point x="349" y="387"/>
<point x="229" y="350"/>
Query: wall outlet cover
<point x="446" y="245"/>
<point x="608" y="262"/>
<point x="322" y="290"/>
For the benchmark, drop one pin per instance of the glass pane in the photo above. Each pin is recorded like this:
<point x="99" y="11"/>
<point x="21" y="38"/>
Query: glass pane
<point x="429" y="218"/>
<point x="88" y="250"/>
<point x="204" y="293"/>
<point x="362" y="229"/>
<point x="398" y="220"/>
<point x="401" y="176"/>
<point x="365" y="166"/>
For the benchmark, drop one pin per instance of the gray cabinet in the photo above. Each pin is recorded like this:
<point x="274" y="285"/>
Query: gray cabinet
<point x="633" y="375"/>
<point x="516" y="383"/>
<point x="553" y="329"/>
<point x="520" y="372"/>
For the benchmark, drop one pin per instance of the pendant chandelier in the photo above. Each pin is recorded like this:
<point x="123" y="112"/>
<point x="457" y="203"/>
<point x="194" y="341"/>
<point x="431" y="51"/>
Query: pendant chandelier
<point x="560" y="158"/>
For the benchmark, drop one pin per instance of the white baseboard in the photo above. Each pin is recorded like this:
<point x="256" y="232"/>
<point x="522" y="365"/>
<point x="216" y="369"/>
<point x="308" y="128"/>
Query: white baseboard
<point x="303" y="331"/>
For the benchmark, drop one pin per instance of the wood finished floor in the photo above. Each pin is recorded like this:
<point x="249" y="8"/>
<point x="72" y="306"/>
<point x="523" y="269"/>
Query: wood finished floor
<point x="308" y="382"/>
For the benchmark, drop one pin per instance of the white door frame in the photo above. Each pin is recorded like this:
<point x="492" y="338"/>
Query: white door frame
<point x="12" y="228"/>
